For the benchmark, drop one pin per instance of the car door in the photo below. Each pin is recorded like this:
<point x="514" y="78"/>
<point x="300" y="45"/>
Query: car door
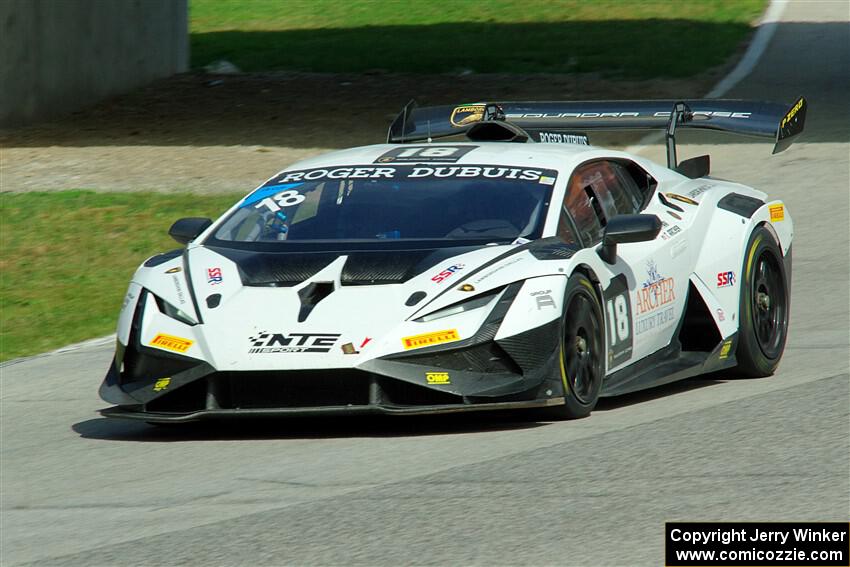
<point x="647" y="294"/>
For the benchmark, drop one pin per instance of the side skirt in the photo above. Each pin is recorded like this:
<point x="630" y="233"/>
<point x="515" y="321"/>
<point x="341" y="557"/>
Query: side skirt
<point x="670" y="364"/>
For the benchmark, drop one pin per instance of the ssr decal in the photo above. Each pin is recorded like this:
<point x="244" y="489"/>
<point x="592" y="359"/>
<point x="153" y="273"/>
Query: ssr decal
<point x="276" y="343"/>
<point x="425" y="153"/>
<point x="777" y="213"/>
<point x="650" y="301"/>
<point x="447" y="273"/>
<point x="214" y="276"/>
<point x="725" y="279"/>
<point x="438" y="378"/>
<point x="430" y="339"/>
<point x="618" y="315"/>
<point x="170" y="342"/>
<point x="466" y="114"/>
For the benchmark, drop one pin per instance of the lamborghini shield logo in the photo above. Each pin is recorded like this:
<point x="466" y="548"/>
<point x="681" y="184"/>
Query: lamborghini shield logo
<point x="466" y="114"/>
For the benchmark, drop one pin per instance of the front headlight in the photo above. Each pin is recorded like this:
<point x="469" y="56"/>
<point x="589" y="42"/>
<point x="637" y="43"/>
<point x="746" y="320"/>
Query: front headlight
<point x="466" y="305"/>
<point x="173" y="312"/>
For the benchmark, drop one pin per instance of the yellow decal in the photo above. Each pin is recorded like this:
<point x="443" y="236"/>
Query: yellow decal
<point x="430" y="339"/>
<point x="173" y="270"/>
<point x="466" y="114"/>
<point x="724" y="350"/>
<point x="791" y="113"/>
<point x="777" y="213"/>
<point x="161" y="384"/>
<point x="170" y="342"/>
<point x="437" y="377"/>
<point x="682" y="198"/>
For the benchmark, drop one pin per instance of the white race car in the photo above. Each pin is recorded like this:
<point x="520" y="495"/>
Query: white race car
<point x="495" y="272"/>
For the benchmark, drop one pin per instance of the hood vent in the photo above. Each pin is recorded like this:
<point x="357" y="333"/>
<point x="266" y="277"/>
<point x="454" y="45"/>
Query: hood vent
<point x="311" y="295"/>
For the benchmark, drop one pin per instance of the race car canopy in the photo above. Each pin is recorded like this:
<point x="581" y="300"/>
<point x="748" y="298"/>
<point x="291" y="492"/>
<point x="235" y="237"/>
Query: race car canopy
<point x="754" y="118"/>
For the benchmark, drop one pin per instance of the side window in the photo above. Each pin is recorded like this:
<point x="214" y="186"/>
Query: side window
<point x="599" y="191"/>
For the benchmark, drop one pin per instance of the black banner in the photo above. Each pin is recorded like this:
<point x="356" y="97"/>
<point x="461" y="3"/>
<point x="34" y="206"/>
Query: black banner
<point x="762" y="544"/>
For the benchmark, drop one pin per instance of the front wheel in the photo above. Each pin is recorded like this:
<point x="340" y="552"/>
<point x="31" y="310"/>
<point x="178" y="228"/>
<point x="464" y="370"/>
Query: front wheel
<point x="763" y="318"/>
<point x="582" y="350"/>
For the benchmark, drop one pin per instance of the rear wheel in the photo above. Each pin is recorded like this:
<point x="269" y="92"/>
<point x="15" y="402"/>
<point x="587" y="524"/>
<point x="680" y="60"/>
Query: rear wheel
<point x="763" y="319"/>
<point x="582" y="350"/>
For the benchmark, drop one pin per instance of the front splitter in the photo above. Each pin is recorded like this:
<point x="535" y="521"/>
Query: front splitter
<point x="259" y="413"/>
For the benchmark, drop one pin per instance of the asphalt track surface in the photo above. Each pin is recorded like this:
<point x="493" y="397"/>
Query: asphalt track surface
<point x="81" y="490"/>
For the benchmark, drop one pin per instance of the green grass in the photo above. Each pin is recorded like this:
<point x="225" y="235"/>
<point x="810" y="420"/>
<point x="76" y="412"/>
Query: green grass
<point x="67" y="258"/>
<point x="623" y="38"/>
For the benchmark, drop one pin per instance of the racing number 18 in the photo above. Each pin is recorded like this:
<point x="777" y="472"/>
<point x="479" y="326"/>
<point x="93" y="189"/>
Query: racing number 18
<point x="618" y="319"/>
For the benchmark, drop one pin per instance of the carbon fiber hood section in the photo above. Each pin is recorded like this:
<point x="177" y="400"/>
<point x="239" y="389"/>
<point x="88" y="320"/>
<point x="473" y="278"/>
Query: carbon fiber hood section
<point x="287" y="269"/>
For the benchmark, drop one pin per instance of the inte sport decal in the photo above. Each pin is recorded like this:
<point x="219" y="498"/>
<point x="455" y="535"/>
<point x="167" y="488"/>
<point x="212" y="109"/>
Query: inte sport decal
<point x="277" y="343"/>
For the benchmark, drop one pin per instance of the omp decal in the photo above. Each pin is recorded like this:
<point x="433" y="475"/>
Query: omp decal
<point x="725" y="279"/>
<point x="777" y="213"/>
<point x="430" y="339"/>
<point x="437" y="378"/>
<point x="618" y="311"/>
<point x="466" y="114"/>
<point x="447" y="273"/>
<point x="170" y="342"/>
<point x="276" y="343"/>
<point x="425" y="153"/>
<point x="161" y="384"/>
<point x="173" y="270"/>
<point x="214" y="276"/>
<point x="682" y="198"/>
<point x="724" y="350"/>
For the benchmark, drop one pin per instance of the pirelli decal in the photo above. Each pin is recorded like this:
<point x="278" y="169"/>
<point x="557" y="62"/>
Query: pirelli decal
<point x="170" y="342"/>
<point x="777" y="213"/>
<point x="430" y="339"/>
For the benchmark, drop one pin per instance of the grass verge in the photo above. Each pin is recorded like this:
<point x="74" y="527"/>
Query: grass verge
<point x="67" y="258"/>
<point x="620" y="38"/>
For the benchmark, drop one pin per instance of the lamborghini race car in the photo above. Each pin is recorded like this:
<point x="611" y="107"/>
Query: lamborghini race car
<point x="518" y="267"/>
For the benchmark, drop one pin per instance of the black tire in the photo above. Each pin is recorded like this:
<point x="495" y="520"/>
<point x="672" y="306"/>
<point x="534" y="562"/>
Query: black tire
<point x="764" y="307"/>
<point x="582" y="356"/>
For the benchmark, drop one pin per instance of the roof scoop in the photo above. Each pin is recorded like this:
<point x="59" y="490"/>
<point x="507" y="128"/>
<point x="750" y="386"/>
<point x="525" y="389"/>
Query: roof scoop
<point x="311" y="295"/>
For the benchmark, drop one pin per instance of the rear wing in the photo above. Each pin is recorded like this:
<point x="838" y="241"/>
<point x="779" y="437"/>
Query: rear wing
<point x="542" y="119"/>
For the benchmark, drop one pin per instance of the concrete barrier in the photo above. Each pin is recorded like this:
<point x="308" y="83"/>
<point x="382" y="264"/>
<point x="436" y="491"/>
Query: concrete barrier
<point x="60" y="55"/>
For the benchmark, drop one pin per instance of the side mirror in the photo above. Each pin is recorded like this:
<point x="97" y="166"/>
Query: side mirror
<point x="627" y="228"/>
<point x="186" y="230"/>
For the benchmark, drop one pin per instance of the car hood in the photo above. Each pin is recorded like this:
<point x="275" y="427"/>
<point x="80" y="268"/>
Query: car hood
<point x="266" y="310"/>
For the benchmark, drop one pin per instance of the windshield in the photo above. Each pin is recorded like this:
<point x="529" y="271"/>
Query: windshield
<point x="394" y="202"/>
